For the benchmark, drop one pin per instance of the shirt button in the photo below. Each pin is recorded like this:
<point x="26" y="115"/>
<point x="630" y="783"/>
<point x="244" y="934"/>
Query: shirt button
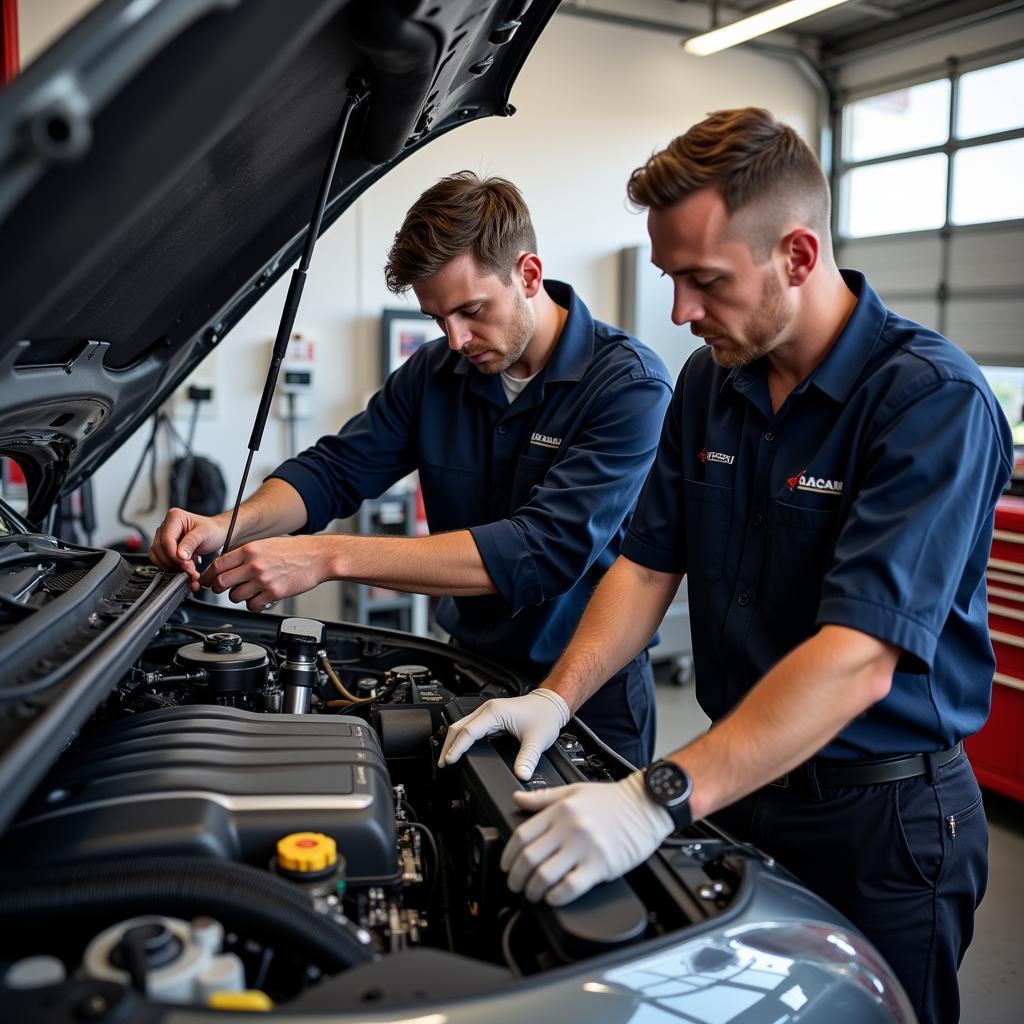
<point x="502" y="428"/>
<point x="743" y="600"/>
<point x="769" y="436"/>
<point x="758" y="519"/>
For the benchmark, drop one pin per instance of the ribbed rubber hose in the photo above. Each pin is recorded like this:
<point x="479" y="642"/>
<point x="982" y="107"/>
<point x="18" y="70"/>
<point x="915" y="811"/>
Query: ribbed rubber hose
<point x="243" y="898"/>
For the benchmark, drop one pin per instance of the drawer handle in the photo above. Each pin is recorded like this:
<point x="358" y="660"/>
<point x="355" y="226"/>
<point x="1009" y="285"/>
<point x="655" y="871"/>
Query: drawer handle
<point x="1005" y="563"/>
<point x="1006" y="638"/>
<point x="1008" y="535"/>
<point x="1005" y="612"/>
<point x="1012" y="681"/>
<point x="1016" y="578"/>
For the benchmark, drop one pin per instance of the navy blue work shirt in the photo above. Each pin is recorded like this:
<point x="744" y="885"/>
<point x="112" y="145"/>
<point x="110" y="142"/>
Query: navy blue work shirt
<point x="866" y="501"/>
<point x="545" y="485"/>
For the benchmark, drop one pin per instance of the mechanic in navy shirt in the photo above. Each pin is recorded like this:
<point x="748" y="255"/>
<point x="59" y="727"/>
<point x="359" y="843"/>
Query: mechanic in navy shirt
<point x="826" y="479"/>
<point x="532" y="426"/>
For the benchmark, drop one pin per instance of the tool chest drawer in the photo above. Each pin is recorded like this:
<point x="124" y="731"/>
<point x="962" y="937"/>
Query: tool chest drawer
<point x="997" y="751"/>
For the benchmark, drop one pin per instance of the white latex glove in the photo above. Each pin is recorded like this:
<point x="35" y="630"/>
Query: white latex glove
<point x="536" y="720"/>
<point x="581" y="835"/>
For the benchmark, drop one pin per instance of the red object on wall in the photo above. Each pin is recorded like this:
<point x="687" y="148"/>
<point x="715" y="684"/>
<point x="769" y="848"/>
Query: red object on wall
<point x="9" y="60"/>
<point x="997" y="752"/>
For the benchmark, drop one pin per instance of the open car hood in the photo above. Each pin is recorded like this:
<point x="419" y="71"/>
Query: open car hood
<point x="158" y="168"/>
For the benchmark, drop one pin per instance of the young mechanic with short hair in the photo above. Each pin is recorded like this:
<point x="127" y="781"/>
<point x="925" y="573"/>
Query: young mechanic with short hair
<point x="826" y="479"/>
<point x="532" y="425"/>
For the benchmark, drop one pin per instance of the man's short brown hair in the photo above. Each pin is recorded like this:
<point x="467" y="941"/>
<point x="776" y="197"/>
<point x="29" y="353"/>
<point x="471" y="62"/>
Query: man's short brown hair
<point x="749" y="157"/>
<point x="461" y="213"/>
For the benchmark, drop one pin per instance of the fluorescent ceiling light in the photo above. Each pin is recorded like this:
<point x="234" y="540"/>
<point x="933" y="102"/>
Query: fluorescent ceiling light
<point x="756" y="25"/>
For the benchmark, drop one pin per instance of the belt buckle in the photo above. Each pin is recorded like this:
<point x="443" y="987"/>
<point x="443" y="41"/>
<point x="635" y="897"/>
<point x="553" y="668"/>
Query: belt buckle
<point x="782" y="782"/>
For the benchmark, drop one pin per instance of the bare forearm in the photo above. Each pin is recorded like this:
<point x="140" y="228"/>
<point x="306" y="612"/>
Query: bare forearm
<point x="620" y="619"/>
<point x="792" y="712"/>
<point x="274" y="510"/>
<point x="445" y="564"/>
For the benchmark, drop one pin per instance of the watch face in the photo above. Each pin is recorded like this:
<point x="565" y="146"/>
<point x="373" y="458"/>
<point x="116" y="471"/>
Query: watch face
<point x="667" y="783"/>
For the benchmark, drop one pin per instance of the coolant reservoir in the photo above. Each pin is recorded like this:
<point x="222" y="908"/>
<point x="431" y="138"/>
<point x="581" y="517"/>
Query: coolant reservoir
<point x="169" y="959"/>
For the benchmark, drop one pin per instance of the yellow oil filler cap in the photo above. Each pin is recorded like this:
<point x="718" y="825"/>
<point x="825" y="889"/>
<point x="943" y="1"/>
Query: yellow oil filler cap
<point x="306" y="851"/>
<point x="248" y="999"/>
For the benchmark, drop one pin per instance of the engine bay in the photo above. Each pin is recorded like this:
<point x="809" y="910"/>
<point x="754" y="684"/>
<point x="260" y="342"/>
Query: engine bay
<point x="253" y="816"/>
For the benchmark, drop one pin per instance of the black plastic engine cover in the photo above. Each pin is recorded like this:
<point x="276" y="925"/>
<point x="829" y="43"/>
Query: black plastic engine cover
<point x="217" y="782"/>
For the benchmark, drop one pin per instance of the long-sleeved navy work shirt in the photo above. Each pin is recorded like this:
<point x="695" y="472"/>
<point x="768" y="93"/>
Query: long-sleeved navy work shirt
<point x="865" y="501"/>
<point x="545" y="485"/>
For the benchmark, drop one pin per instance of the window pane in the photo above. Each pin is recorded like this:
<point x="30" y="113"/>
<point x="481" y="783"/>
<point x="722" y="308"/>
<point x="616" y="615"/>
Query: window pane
<point x="1007" y="383"/>
<point x="991" y="100"/>
<point x="987" y="183"/>
<point x="905" y="195"/>
<point x="897" y="121"/>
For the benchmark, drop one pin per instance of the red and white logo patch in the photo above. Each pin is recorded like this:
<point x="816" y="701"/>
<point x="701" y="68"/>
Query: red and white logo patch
<point x="814" y="484"/>
<point x="705" y="456"/>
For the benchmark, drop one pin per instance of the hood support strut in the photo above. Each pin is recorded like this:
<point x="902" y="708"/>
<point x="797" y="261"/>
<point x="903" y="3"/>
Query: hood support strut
<point x="357" y="91"/>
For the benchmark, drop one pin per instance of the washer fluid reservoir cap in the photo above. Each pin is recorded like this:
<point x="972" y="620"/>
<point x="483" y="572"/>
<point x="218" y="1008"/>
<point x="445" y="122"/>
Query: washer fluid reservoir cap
<point x="222" y="643"/>
<point x="306" y="852"/>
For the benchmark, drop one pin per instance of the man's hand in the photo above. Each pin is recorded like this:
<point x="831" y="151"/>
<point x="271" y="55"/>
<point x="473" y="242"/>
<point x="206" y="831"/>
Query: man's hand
<point x="266" y="571"/>
<point x="183" y="535"/>
<point x="535" y="720"/>
<point x="581" y="835"/>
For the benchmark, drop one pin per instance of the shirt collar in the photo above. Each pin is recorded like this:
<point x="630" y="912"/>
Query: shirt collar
<point x="839" y="370"/>
<point x="575" y="346"/>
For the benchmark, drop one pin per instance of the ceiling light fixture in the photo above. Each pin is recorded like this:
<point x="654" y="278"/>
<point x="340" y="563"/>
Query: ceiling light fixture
<point x="756" y="25"/>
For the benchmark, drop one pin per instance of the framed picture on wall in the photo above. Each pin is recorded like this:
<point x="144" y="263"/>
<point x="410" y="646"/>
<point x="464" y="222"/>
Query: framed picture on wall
<point x="402" y="332"/>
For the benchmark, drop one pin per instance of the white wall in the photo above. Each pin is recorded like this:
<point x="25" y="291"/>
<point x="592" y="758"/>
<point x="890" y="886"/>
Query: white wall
<point x="594" y="101"/>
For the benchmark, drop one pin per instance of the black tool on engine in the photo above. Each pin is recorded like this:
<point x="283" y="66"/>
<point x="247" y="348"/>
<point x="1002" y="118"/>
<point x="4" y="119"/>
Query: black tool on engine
<point x="302" y="640"/>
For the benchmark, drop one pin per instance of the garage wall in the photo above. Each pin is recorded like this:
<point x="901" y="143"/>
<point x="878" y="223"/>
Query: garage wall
<point x="594" y="101"/>
<point x="931" y="52"/>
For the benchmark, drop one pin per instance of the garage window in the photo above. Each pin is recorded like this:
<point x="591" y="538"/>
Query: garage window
<point x="931" y="154"/>
<point x="927" y="179"/>
<point x="1007" y="383"/>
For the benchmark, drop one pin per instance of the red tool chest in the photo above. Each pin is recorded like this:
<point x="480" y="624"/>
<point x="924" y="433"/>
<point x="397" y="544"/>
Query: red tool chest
<point x="997" y="752"/>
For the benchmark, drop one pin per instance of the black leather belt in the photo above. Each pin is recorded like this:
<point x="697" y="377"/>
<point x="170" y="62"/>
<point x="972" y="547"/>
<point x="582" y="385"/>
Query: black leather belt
<point x="819" y="773"/>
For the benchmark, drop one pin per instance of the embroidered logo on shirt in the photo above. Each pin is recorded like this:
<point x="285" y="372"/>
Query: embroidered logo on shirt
<point x="705" y="456"/>
<point x="545" y="442"/>
<point x="814" y="484"/>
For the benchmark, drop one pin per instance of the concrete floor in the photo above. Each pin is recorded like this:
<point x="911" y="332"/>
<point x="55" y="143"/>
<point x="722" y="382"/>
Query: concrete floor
<point x="992" y="975"/>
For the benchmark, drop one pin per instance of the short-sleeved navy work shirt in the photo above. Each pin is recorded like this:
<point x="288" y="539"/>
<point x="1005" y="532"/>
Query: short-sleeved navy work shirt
<point x="866" y="501"/>
<point x="546" y="484"/>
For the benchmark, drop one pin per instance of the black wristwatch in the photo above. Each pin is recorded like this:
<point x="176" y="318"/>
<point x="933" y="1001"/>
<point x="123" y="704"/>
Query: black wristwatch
<point x="669" y="785"/>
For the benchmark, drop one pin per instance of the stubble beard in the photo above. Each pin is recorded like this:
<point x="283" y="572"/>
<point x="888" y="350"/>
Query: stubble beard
<point x="764" y="332"/>
<point x="518" y="335"/>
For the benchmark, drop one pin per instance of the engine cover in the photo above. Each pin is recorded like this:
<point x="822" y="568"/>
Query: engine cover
<point x="216" y="782"/>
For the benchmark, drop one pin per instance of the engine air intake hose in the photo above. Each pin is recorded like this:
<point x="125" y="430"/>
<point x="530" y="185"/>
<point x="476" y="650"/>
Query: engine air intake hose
<point x="243" y="898"/>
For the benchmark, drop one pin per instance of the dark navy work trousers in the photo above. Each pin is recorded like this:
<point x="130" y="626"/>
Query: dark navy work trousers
<point x="906" y="862"/>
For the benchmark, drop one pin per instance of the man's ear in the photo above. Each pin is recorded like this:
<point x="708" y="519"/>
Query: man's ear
<point x="530" y="273"/>
<point x="801" y="250"/>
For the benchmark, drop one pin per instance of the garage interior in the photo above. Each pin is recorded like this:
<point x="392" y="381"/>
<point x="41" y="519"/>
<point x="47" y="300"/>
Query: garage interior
<point x="897" y="96"/>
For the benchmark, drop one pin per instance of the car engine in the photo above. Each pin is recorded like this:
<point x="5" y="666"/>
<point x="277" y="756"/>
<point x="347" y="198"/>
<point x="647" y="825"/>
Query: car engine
<point x="252" y="815"/>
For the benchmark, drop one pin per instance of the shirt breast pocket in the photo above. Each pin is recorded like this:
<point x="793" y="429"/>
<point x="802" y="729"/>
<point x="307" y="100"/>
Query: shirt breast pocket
<point x="707" y="508"/>
<point x="801" y="550"/>
<point x="529" y="473"/>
